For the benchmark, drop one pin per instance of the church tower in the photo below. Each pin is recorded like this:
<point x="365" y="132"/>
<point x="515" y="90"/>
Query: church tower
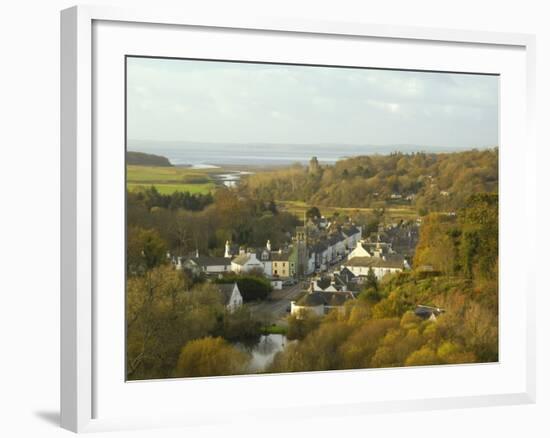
<point x="301" y="247"/>
<point x="227" y="254"/>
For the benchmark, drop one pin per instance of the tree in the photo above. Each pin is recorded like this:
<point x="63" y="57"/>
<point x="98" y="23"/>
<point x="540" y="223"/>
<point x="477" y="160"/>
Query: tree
<point x="437" y="246"/>
<point x="372" y="281"/>
<point x="299" y="326"/>
<point x="145" y="250"/>
<point x="161" y="316"/>
<point x="210" y="357"/>
<point x="423" y="356"/>
<point x="371" y="290"/>
<point x="252" y="286"/>
<point x="479" y="244"/>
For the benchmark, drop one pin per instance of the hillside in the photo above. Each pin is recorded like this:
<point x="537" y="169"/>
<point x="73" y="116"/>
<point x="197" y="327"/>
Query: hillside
<point x="425" y="181"/>
<point x="143" y="159"/>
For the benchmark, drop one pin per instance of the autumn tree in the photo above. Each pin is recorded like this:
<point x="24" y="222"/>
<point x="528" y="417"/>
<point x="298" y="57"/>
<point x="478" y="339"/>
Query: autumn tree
<point x="210" y="357"/>
<point x="161" y="316"/>
<point x="145" y="250"/>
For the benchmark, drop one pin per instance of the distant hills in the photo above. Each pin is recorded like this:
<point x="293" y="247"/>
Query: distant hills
<point x="189" y="153"/>
<point x="143" y="159"/>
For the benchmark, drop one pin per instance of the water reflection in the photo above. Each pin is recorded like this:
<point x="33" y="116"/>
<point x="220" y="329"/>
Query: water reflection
<point x="264" y="351"/>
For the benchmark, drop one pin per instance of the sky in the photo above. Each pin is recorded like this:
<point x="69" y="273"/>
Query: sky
<point x="224" y="102"/>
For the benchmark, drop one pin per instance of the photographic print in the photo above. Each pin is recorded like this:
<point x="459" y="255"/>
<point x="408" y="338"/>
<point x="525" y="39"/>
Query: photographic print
<point x="296" y="218"/>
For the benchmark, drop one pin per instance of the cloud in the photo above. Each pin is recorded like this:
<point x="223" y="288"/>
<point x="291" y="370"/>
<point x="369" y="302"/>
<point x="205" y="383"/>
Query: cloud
<point x="241" y="102"/>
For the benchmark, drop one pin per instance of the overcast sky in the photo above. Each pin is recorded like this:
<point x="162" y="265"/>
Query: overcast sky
<point x="179" y="100"/>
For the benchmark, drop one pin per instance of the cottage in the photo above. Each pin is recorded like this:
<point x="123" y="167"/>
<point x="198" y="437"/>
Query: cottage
<point x="231" y="296"/>
<point x="360" y="266"/>
<point x="207" y="265"/>
<point x="246" y="262"/>
<point x="320" y="303"/>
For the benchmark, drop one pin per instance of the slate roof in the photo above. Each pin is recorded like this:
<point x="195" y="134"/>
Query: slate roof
<point x="319" y="247"/>
<point x="335" y="238"/>
<point x="347" y="274"/>
<point x="210" y="261"/>
<point x="324" y="299"/>
<point x="350" y="231"/>
<point x="426" y="312"/>
<point x="241" y="259"/>
<point x="280" y="257"/>
<point x="226" y="291"/>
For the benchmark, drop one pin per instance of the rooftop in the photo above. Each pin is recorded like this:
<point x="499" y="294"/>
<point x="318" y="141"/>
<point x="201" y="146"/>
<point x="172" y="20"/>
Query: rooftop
<point x="210" y="261"/>
<point x="375" y="262"/>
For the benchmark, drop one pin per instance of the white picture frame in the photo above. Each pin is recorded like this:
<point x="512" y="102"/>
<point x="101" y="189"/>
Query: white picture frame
<point x="81" y="167"/>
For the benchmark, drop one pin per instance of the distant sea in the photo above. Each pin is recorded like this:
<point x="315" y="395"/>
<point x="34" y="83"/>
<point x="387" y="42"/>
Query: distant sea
<point x="266" y="154"/>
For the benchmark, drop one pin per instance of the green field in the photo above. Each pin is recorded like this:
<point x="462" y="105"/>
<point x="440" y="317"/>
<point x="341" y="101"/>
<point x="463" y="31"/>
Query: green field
<point x="298" y="208"/>
<point x="170" y="179"/>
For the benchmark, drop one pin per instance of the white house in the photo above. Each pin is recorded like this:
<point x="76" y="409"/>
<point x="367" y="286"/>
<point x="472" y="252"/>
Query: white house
<point x="231" y="296"/>
<point x="319" y="303"/>
<point x="208" y="265"/>
<point x="246" y="263"/>
<point x="360" y="266"/>
<point x="265" y="259"/>
<point x="359" y="251"/>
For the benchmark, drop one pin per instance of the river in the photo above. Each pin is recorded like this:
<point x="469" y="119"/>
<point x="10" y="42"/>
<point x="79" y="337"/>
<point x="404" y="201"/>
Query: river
<point x="263" y="352"/>
<point x="231" y="179"/>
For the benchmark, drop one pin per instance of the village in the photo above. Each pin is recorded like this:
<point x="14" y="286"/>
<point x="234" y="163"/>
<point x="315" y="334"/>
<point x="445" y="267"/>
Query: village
<point x="325" y="265"/>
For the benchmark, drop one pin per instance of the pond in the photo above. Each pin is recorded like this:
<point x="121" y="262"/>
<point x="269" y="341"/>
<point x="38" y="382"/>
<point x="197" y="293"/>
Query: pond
<point x="264" y="351"/>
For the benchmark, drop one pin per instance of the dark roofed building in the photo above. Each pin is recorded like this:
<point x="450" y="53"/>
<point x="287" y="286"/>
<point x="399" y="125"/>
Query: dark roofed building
<point x="208" y="265"/>
<point x="320" y="303"/>
<point x="360" y="266"/>
<point x="231" y="295"/>
<point x="346" y="275"/>
<point x="428" y="312"/>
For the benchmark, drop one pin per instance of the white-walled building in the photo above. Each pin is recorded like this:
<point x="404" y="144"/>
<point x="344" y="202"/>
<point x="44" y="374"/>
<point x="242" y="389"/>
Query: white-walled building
<point x="320" y="303"/>
<point x="360" y="266"/>
<point x="359" y="251"/>
<point x="246" y="263"/>
<point x="231" y="296"/>
<point x="208" y="265"/>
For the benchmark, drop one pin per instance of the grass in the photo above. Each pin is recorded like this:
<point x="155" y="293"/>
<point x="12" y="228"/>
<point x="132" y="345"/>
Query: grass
<point x="275" y="330"/>
<point x="168" y="180"/>
<point x="392" y="213"/>
<point x="167" y="189"/>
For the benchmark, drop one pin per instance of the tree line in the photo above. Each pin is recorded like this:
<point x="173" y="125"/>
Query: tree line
<point x="427" y="181"/>
<point x="187" y="223"/>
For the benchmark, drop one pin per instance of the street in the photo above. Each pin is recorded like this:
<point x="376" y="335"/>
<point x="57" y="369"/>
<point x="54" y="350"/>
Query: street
<point x="277" y="303"/>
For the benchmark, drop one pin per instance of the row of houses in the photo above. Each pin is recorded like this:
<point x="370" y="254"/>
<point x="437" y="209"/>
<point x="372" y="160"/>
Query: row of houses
<point x="329" y="292"/>
<point x="303" y="257"/>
